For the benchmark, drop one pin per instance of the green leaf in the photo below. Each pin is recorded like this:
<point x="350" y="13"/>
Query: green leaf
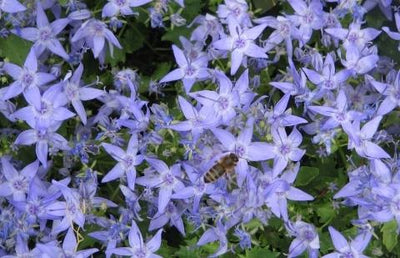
<point x="326" y="212"/>
<point x="389" y="235"/>
<point x="119" y="55"/>
<point x="63" y="2"/>
<point x="306" y="175"/>
<point x="264" y="5"/>
<point x="257" y="252"/>
<point x="132" y="39"/>
<point x="193" y="8"/>
<point x="173" y="35"/>
<point x="14" y="49"/>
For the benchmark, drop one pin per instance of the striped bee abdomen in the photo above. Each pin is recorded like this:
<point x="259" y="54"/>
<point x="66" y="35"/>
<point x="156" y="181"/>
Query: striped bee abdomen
<point x="225" y="165"/>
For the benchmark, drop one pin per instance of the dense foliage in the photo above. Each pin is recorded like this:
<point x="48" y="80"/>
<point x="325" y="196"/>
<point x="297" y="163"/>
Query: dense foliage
<point x="190" y="128"/>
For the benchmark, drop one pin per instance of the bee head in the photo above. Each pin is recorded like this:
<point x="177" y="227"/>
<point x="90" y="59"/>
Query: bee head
<point x="233" y="157"/>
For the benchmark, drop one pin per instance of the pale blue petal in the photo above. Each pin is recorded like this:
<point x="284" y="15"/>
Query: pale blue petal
<point x="339" y="241"/>
<point x="116" y="172"/>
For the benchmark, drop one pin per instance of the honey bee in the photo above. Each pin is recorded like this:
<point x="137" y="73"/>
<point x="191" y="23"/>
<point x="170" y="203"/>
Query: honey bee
<point x="224" y="166"/>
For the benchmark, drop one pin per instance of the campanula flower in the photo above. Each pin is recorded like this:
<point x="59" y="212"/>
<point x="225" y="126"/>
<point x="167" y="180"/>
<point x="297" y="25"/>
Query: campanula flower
<point x="27" y="78"/>
<point x="209" y="25"/>
<point x="197" y="120"/>
<point x="17" y="183"/>
<point x="43" y="137"/>
<point x="391" y="91"/>
<point x="390" y="209"/>
<point x="346" y="249"/>
<point x="123" y="7"/>
<point x="354" y="35"/>
<point x="359" y="62"/>
<point x="296" y="85"/>
<point x="172" y="214"/>
<point x="166" y="179"/>
<point x="127" y="161"/>
<point x="308" y="17"/>
<point x="306" y="239"/>
<point x="44" y="35"/>
<point x="223" y="102"/>
<point x="279" y="191"/>
<point x="45" y="111"/>
<point x="69" y="210"/>
<point x="394" y="35"/>
<point x="75" y="94"/>
<point x="240" y="43"/>
<point x="329" y="79"/>
<point x="70" y="246"/>
<point x="284" y="31"/>
<point x="213" y="234"/>
<point x="338" y="115"/>
<point x="285" y="148"/>
<point x="137" y="246"/>
<point x="235" y="9"/>
<point x="280" y="117"/>
<point x="189" y="70"/>
<point x="361" y="139"/>
<point x="95" y="34"/>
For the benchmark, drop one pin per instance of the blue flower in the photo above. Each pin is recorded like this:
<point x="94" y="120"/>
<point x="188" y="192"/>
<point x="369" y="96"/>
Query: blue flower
<point x="27" y="78"/>
<point x="75" y="94"/>
<point x="306" y="239"/>
<point x="241" y="43"/>
<point x="308" y="17"/>
<point x="45" y="34"/>
<point x="127" y="160"/>
<point x="123" y="7"/>
<point x="137" y="246"/>
<point x="361" y="139"/>
<point x="391" y="91"/>
<point x="346" y="249"/>
<point x="213" y="234"/>
<point x="354" y="35"/>
<point x="189" y="71"/>
<point x="17" y="183"/>
<point x="95" y="34"/>
<point x="166" y="179"/>
<point x="70" y="246"/>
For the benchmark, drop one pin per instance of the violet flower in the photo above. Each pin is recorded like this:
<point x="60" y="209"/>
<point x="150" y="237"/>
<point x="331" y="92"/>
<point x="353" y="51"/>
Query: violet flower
<point x="127" y="160"/>
<point x="241" y="43"/>
<point x="123" y="7"/>
<point x="285" y="148"/>
<point x="391" y="91"/>
<point x="75" y="94"/>
<point x="167" y="180"/>
<point x="346" y="249"/>
<point x="354" y="35"/>
<point x="44" y="36"/>
<point x="95" y="34"/>
<point x="189" y="70"/>
<point x="306" y="239"/>
<point x="27" y="78"/>
<point x="137" y="246"/>
<point x="17" y="183"/>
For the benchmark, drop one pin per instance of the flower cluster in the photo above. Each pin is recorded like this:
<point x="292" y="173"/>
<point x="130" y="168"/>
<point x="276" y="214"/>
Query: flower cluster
<point x="94" y="163"/>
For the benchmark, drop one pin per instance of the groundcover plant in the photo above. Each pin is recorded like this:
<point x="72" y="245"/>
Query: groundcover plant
<point x="188" y="128"/>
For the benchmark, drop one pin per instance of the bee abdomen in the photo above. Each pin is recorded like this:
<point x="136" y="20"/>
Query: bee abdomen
<point x="214" y="173"/>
